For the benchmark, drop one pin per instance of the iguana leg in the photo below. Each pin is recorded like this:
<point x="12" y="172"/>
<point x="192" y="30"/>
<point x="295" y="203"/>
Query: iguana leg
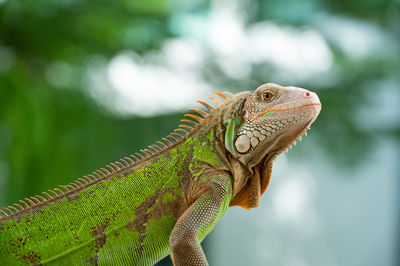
<point x="198" y="220"/>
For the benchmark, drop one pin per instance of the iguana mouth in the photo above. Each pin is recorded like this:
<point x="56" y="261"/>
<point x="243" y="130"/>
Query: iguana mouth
<point x="284" y="109"/>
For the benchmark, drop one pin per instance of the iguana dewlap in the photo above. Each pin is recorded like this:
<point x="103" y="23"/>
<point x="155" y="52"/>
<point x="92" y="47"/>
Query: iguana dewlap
<point x="167" y="198"/>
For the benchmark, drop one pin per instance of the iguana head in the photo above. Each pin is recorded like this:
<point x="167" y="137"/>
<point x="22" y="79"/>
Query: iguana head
<point x="272" y="118"/>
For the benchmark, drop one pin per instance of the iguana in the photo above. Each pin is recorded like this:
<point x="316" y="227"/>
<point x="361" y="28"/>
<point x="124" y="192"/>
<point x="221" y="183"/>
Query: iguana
<point x="167" y="198"/>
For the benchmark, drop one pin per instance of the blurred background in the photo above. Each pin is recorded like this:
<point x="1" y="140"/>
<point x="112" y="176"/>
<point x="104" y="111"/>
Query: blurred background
<point x="84" y="83"/>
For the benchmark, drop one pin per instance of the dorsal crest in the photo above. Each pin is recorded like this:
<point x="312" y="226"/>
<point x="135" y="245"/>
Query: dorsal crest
<point x="177" y="136"/>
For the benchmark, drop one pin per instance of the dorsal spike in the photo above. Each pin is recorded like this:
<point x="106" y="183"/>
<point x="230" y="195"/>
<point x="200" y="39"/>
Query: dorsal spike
<point x="111" y="169"/>
<point x="47" y="195"/>
<point x="41" y="198"/>
<point x="129" y="160"/>
<point x="189" y="122"/>
<point x="122" y="163"/>
<point x="152" y="149"/>
<point x="96" y="174"/>
<point x="177" y="135"/>
<point x="167" y="141"/>
<point x="24" y="203"/>
<point x="77" y="183"/>
<point x="140" y="156"/>
<point x="74" y="185"/>
<point x="135" y="158"/>
<point x="217" y="101"/>
<point x="3" y="213"/>
<point x="66" y="189"/>
<point x="229" y="93"/>
<point x="187" y="127"/>
<point x="151" y="153"/>
<point x="59" y="191"/>
<point x="83" y="181"/>
<point x="102" y="174"/>
<point x="8" y="210"/>
<point x="160" y="149"/>
<point x="19" y="206"/>
<point x="53" y="192"/>
<point x="199" y="119"/>
<point x="112" y="166"/>
<point x="30" y="202"/>
<point x="116" y="166"/>
<point x="92" y="177"/>
<point x="162" y="144"/>
<point x="183" y="131"/>
<point x="206" y="105"/>
<point x="15" y="210"/>
<point x="157" y="147"/>
<point x="36" y="200"/>
<point x="200" y="112"/>
<point x="226" y="98"/>
<point x="174" y="139"/>
<point x="106" y="172"/>
<point x="88" y="179"/>
<point x="145" y="153"/>
<point x="70" y="187"/>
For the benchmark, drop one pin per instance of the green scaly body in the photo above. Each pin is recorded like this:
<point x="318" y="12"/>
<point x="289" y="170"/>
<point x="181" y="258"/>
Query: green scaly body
<point x="167" y="201"/>
<point x="125" y="218"/>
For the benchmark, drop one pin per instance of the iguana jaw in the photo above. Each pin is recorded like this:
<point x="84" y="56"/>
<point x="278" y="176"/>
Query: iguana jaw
<point x="279" y="143"/>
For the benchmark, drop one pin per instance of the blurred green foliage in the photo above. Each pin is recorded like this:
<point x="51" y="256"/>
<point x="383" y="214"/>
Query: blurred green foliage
<point x="51" y="134"/>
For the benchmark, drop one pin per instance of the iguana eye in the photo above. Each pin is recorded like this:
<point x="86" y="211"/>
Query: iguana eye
<point x="267" y="96"/>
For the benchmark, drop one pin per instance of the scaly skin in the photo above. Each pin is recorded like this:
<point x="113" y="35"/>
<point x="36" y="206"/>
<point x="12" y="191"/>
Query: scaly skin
<point x="140" y="211"/>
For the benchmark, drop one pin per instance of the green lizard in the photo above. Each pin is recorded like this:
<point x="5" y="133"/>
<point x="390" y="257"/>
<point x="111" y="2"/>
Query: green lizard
<point x="167" y="198"/>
